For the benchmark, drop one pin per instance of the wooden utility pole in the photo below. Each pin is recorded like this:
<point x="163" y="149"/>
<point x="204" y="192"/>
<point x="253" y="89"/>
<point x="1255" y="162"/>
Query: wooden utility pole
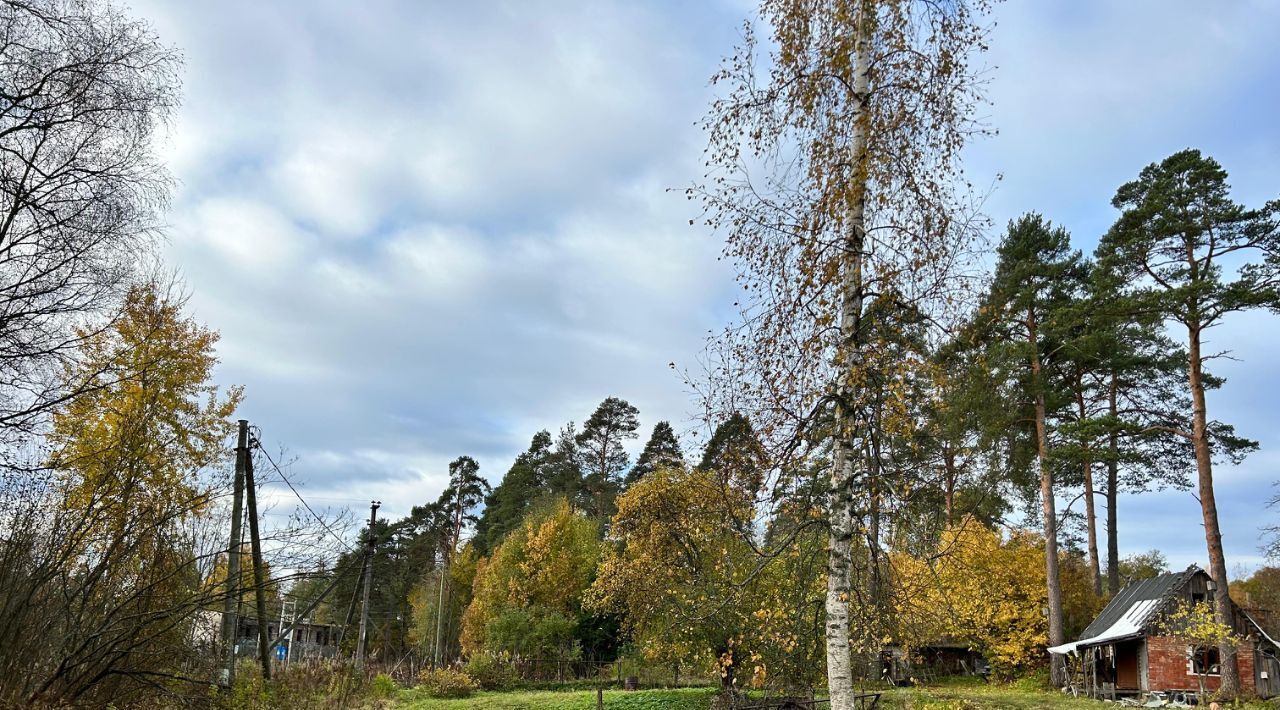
<point x="259" y="569"/>
<point x="368" y="583"/>
<point x="230" y="606"/>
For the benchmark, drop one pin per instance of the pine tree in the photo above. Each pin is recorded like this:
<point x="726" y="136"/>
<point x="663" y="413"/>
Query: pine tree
<point x="1028" y="310"/>
<point x="466" y="490"/>
<point x="1136" y="373"/>
<point x="733" y="440"/>
<point x="601" y="456"/>
<point x="563" y="476"/>
<point x="662" y="451"/>
<point x="1177" y="228"/>
<point x="736" y="453"/>
<point x="967" y="424"/>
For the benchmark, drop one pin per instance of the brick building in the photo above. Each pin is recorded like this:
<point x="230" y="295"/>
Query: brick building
<point x="1123" y="653"/>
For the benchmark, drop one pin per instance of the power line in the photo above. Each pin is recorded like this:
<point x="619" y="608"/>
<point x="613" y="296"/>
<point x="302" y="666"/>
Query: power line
<point x="257" y="443"/>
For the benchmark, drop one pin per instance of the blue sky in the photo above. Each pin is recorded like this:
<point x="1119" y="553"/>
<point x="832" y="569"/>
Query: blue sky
<point x="428" y="229"/>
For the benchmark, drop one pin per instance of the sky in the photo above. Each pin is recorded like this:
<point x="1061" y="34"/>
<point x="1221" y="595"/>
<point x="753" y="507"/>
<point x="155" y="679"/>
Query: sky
<point x="430" y="229"/>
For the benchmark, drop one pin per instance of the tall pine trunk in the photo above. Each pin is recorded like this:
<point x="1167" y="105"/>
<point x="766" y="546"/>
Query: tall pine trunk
<point x="1113" y="492"/>
<point x="840" y="497"/>
<point x="1209" y="506"/>
<point x="1057" y="676"/>
<point x="1090" y="514"/>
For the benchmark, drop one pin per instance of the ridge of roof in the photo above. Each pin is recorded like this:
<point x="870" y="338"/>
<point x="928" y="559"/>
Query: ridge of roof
<point x="1159" y="588"/>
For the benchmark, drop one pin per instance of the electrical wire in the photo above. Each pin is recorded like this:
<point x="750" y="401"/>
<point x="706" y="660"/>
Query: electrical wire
<point x="257" y="443"/>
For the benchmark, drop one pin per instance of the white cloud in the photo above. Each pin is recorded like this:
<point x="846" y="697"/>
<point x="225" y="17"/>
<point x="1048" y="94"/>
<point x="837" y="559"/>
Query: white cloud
<point x="243" y="234"/>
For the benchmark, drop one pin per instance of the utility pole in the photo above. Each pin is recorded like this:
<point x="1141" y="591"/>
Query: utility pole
<point x="259" y="569"/>
<point x="230" y="606"/>
<point x="351" y="606"/>
<point x="368" y="583"/>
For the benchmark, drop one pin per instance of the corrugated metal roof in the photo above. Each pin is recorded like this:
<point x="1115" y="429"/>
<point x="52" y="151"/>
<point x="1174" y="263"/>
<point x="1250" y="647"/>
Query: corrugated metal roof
<point x="1129" y="611"/>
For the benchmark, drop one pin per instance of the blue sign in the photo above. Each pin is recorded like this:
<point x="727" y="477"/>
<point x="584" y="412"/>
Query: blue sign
<point x="281" y="652"/>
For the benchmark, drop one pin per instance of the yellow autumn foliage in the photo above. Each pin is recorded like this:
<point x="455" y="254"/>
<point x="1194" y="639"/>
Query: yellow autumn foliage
<point x="547" y="563"/>
<point x="148" y="419"/>
<point x="692" y="591"/>
<point x="986" y="590"/>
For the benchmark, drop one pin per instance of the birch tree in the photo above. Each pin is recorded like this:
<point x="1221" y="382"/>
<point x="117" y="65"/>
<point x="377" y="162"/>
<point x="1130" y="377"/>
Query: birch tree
<point x="832" y="171"/>
<point x="85" y="92"/>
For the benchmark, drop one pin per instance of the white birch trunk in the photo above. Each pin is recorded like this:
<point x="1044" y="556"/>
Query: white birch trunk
<point x="840" y="498"/>
<point x="839" y="659"/>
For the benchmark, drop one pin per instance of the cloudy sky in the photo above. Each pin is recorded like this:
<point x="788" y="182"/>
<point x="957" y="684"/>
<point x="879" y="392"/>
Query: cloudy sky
<point x="428" y="229"/>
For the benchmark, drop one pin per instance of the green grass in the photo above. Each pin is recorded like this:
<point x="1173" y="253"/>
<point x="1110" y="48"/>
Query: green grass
<point x="952" y="696"/>
<point x="985" y="697"/>
<point x="958" y="694"/>
<point x="677" y="699"/>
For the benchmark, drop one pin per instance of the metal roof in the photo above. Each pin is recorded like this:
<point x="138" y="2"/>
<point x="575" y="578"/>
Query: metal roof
<point x="1130" y="611"/>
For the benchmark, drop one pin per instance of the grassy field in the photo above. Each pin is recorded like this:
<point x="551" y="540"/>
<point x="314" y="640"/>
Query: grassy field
<point x="958" y="694"/>
<point x="971" y="696"/>
<point x="677" y="699"/>
<point x="953" y="696"/>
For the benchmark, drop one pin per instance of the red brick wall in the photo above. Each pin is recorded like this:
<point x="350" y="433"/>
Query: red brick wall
<point x="1167" y="666"/>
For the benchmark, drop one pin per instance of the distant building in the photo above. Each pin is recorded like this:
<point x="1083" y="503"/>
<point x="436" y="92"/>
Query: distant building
<point x="939" y="658"/>
<point x="308" y="639"/>
<point x="1123" y="652"/>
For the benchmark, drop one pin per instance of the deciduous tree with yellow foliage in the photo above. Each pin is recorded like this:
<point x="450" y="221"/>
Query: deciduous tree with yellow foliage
<point x="130" y="447"/>
<point x="527" y="598"/>
<point x="131" y="502"/>
<point x="1196" y="625"/>
<point x="692" y="590"/>
<point x="987" y="590"/>
<point x="677" y="578"/>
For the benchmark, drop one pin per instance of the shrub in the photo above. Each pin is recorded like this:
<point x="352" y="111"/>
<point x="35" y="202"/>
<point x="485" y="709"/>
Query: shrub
<point x="490" y="672"/>
<point x="1033" y="681"/>
<point x="446" y="683"/>
<point x="249" y="692"/>
<point x="382" y="686"/>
